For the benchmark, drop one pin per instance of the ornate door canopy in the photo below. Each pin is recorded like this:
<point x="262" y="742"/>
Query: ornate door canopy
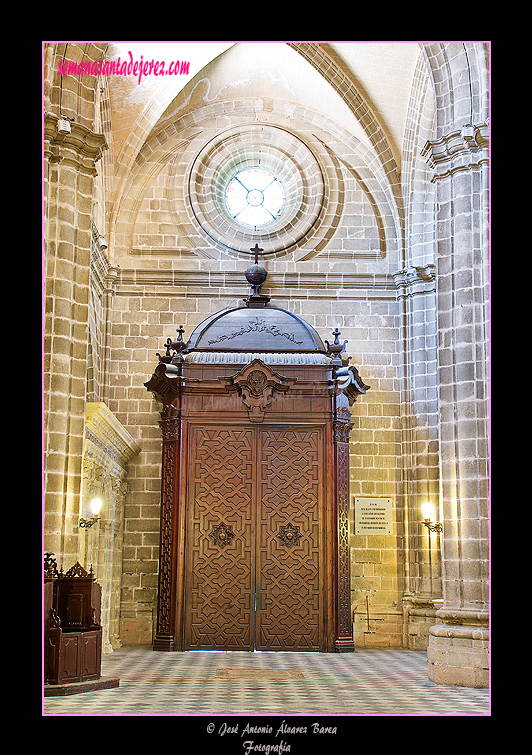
<point x="261" y="374"/>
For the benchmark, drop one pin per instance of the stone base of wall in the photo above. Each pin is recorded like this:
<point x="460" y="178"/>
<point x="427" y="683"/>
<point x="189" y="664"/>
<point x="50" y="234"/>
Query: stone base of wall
<point x="459" y="655"/>
<point x="136" y="631"/>
<point x="417" y="632"/>
<point x="419" y="615"/>
<point x="383" y="630"/>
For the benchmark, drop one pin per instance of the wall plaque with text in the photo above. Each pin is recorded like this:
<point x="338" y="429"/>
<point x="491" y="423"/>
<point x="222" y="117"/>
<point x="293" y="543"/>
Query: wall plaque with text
<point x="373" y="516"/>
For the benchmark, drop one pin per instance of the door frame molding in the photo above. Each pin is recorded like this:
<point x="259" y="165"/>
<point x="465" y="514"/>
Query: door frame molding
<point x="175" y="425"/>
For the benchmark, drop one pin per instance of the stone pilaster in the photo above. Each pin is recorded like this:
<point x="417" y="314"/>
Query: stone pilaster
<point x="458" y="645"/>
<point x="416" y="286"/>
<point x="71" y="151"/>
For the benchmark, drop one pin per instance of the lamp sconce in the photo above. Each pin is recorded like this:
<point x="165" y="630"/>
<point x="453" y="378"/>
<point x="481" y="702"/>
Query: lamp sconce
<point x="96" y="505"/>
<point x="426" y="508"/>
<point x="63" y="124"/>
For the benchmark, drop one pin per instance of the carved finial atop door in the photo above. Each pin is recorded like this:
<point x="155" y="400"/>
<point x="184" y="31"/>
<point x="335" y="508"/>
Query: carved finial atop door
<point x="256" y="275"/>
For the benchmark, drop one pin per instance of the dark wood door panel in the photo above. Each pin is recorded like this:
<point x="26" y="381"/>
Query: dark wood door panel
<point x="290" y="551"/>
<point x="255" y="540"/>
<point x="220" y="586"/>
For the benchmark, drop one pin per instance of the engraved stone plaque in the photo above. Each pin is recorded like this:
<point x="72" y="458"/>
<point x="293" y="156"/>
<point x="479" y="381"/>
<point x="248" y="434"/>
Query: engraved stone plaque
<point x="373" y="516"/>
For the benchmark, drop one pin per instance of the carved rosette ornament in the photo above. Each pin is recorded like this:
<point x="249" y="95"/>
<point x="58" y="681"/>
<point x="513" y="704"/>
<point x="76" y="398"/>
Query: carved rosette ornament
<point x="222" y="535"/>
<point x="257" y="383"/>
<point x="289" y="535"/>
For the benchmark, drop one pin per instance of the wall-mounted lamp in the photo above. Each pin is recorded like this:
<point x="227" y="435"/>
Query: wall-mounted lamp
<point x="96" y="505"/>
<point x="63" y="124"/>
<point x="426" y="508"/>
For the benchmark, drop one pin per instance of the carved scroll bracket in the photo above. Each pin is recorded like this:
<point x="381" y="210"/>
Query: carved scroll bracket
<point x="164" y="385"/>
<point x="257" y="383"/>
<point x="350" y="383"/>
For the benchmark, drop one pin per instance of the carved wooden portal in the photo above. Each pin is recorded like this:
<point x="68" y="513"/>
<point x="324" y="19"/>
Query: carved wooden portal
<point x="254" y="550"/>
<point x="257" y="539"/>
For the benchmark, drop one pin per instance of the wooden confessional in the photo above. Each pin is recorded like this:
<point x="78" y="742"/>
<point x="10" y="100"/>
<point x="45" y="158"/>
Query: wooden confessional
<point x="72" y="629"/>
<point x="255" y="421"/>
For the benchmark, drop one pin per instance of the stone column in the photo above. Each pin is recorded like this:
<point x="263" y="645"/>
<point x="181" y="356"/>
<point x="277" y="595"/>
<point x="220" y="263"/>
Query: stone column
<point x="71" y="151"/>
<point x="458" y="644"/>
<point x="422" y="582"/>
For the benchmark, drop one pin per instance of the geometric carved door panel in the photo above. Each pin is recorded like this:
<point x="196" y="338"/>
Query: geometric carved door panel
<point x="290" y="559"/>
<point x="220" y="590"/>
<point x="255" y="540"/>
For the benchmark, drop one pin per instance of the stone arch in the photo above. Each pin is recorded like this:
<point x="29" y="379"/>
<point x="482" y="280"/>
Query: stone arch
<point x="185" y="139"/>
<point x="318" y="57"/>
<point x="460" y="77"/>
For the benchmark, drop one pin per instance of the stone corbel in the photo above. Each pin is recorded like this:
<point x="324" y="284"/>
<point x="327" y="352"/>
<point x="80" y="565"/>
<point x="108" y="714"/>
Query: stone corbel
<point x="460" y="150"/>
<point x="415" y="280"/>
<point x="78" y="145"/>
<point x="257" y="383"/>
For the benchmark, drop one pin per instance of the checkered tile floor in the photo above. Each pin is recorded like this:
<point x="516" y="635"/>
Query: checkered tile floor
<point x="368" y="682"/>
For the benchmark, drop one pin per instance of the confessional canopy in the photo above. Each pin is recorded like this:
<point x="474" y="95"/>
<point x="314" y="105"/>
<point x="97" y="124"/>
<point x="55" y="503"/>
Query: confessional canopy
<point x="248" y="329"/>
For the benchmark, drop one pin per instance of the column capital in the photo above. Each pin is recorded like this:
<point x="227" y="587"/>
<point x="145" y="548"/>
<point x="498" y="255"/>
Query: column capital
<point x="462" y="149"/>
<point x="414" y="280"/>
<point x="75" y="143"/>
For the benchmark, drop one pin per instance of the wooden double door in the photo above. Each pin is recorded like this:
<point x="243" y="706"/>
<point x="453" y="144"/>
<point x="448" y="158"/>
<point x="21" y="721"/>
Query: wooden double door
<point x="255" y="554"/>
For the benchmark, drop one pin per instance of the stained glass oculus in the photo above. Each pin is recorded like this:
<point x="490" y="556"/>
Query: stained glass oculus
<point x="255" y="197"/>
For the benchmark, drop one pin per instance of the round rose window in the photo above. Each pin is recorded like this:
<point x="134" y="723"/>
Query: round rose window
<point x="255" y="197"/>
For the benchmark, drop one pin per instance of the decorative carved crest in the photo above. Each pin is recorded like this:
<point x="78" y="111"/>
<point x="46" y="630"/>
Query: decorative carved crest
<point x="257" y="383"/>
<point x="257" y="325"/>
<point x="50" y="566"/>
<point x="78" y="571"/>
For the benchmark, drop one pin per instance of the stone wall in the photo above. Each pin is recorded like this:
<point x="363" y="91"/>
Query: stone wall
<point x="141" y="324"/>
<point x="388" y="243"/>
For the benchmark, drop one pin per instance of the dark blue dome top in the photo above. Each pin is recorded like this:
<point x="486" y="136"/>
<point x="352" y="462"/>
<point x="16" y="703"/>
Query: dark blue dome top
<point x="248" y="329"/>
